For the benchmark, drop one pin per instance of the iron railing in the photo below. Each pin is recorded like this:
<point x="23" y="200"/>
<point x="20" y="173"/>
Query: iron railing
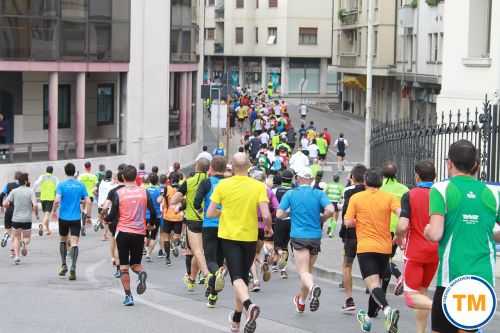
<point x="406" y="142"/>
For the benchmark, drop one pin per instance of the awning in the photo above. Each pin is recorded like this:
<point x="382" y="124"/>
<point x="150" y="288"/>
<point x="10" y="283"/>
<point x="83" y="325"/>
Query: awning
<point x="354" y="81"/>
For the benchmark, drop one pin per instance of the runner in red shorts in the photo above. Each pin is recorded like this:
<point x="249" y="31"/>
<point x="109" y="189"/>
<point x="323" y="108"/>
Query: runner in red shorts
<point x="421" y="255"/>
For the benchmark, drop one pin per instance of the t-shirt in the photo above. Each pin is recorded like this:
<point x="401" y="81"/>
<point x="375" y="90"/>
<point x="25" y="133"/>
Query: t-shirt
<point x="204" y="154"/>
<point x="72" y="192"/>
<point x="304" y="143"/>
<point x="90" y="181"/>
<point x="322" y="146"/>
<point x="305" y="204"/>
<point x="349" y="233"/>
<point x="470" y="209"/>
<point x="189" y="189"/>
<point x="171" y="213"/>
<point x="313" y="151"/>
<point x="47" y="184"/>
<point x="264" y="138"/>
<point x="392" y="186"/>
<point x="104" y="187"/>
<point x="372" y="210"/>
<point x="154" y="191"/>
<point x="23" y="198"/>
<point x="239" y="197"/>
<point x="130" y="204"/>
<point x="334" y="191"/>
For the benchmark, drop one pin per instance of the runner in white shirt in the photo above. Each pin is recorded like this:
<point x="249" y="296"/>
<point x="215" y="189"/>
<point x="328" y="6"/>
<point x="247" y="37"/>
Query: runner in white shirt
<point x="204" y="154"/>
<point x="264" y="138"/>
<point x="313" y="150"/>
<point x="299" y="160"/>
<point x="304" y="143"/>
<point x="106" y="185"/>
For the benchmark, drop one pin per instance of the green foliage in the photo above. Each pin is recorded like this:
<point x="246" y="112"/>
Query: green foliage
<point x="432" y="3"/>
<point x="342" y="14"/>
<point x="414" y="4"/>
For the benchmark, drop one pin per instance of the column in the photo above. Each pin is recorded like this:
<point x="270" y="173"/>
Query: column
<point x="53" y="113"/>
<point x="323" y="77"/>
<point x="263" y="78"/>
<point x="183" y="109"/>
<point x="189" y="103"/>
<point x="240" y="66"/>
<point x="80" y="115"/>
<point x="284" y="76"/>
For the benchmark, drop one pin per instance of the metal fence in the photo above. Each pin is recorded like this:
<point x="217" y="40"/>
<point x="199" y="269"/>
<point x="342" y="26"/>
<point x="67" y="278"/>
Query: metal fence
<point x="406" y="142"/>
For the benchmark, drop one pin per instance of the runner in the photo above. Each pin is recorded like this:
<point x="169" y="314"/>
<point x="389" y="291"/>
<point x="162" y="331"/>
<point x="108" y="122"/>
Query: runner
<point x="212" y="245"/>
<point x="299" y="160"/>
<point x="90" y="181"/>
<point x="463" y="212"/>
<point x="24" y="201"/>
<point x="194" y="222"/>
<point x="421" y="255"/>
<point x="204" y="154"/>
<point x="304" y="204"/>
<point x="322" y="147"/>
<point x="69" y="195"/>
<point x="129" y="205"/>
<point x="154" y="193"/>
<point x="46" y="184"/>
<point x="348" y="236"/>
<point x="240" y="196"/>
<point x="9" y="211"/>
<point x="105" y="186"/>
<point x="172" y="221"/>
<point x="370" y="211"/>
<point x="341" y="145"/>
<point x="334" y="191"/>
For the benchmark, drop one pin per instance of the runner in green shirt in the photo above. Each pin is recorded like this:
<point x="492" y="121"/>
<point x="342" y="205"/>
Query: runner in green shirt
<point x="463" y="212"/>
<point x="334" y="190"/>
<point x="322" y="147"/>
<point x="90" y="181"/>
<point x="46" y="184"/>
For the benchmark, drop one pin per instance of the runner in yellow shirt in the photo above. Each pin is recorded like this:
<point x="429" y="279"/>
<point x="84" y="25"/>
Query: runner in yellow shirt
<point x="90" y="181"/>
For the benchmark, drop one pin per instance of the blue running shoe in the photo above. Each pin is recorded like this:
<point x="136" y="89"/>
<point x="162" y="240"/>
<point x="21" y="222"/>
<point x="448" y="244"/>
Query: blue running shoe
<point x="128" y="301"/>
<point x="364" y="321"/>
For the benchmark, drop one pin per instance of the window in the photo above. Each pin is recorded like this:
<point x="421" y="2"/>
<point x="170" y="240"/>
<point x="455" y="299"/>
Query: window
<point x="100" y="9"/>
<point x="440" y="49"/>
<point x="14" y="37"/>
<point x="435" y="48"/>
<point x="105" y="104"/>
<point x="73" y="38"/>
<point x="240" y="3"/>
<point x="479" y="28"/>
<point x="256" y="35"/>
<point x="45" y="8"/>
<point x="273" y="3"/>
<point x="272" y="35"/>
<point x="44" y="36"/>
<point x="375" y="43"/>
<point x="64" y="110"/>
<point x="174" y="110"/>
<point x="211" y="2"/>
<point x="429" y="47"/>
<point x="308" y="36"/>
<point x="74" y="9"/>
<point x="99" y="41"/>
<point x="210" y="33"/>
<point x="239" y="35"/>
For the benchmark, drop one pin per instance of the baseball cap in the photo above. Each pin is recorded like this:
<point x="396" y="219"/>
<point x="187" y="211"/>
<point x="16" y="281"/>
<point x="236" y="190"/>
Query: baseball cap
<point x="305" y="172"/>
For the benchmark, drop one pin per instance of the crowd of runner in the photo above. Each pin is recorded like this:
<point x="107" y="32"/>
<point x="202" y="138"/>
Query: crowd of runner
<point x="248" y="216"/>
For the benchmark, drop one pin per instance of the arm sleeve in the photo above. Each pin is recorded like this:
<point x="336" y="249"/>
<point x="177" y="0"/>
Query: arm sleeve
<point x="437" y="205"/>
<point x="274" y="201"/>
<point x="183" y="188"/>
<point x="203" y="189"/>
<point x="351" y="210"/>
<point x="405" y="206"/>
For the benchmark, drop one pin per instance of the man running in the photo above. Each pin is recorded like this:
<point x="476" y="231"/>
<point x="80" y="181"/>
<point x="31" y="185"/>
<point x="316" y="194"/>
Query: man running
<point x="212" y="245"/>
<point x="129" y="205"/>
<point x="154" y="192"/>
<point x="69" y="195"/>
<point x="172" y="221"/>
<point x="370" y="212"/>
<point x="105" y="186"/>
<point x="421" y="255"/>
<point x="9" y="210"/>
<point x="90" y="181"/>
<point x="46" y="184"/>
<point x="341" y="144"/>
<point x="463" y="216"/>
<point x="304" y="204"/>
<point x="334" y="191"/>
<point x="240" y="197"/>
<point x="24" y="201"/>
<point x="348" y="236"/>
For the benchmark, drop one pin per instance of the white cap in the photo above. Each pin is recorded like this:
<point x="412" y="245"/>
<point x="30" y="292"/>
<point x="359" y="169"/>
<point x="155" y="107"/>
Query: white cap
<point x="305" y="172"/>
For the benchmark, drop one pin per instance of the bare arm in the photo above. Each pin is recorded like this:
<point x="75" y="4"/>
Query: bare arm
<point x="327" y="213"/>
<point x="281" y="214"/>
<point x="350" y="223"/>
<point x="55" y="206"/>
<point x="213" y="211"/>
<point x="177" y="198"/>
<point x="266" y="215"/>
<point x="402" y="228"/>
<point x="435" y="229"/>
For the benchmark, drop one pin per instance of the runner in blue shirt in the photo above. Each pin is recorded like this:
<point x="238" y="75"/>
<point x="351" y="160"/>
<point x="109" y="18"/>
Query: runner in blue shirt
<point x="69" y="195"/>
<point x="154" y="192"/>
<point x="304" y="204"/>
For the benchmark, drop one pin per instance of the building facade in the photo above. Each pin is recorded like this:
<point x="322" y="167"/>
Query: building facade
<point x="107" y="80"/>
<point x="257" y="42"/>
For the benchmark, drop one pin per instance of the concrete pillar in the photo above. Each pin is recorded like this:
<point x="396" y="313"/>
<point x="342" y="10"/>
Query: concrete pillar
<point x="284" y="76"/>
<point x="183" y="109"/>
<point x="189" y="103"/>
<point x="242" y="73"/>
<point x="323" y="77"/>
<point x="80" y="115"/>
<point x="263" y="78"/>
<point x="53" y="140"/>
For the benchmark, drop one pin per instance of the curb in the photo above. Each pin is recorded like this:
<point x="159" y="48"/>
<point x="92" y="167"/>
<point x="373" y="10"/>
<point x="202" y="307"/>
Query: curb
<point x="345" y="114"/>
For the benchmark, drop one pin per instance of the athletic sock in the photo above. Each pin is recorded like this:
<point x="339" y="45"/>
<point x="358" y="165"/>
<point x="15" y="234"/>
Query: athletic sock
<point x="189" y="258"/>
<point x="74" y="257"/>
<point x="378" y="295"/>
<point x="247" y="304"/>
<point x="236" y="316"/>
<point x="125" y="279"/>
<point x="63" y="251"/>
<point x="166" y="247"/>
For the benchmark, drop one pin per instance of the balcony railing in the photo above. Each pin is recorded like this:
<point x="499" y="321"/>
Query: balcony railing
<point x="348" y="60"/>
<point x="219" y="48"/>
<point x="348" y="17"/>
<point x="219" y="13"/>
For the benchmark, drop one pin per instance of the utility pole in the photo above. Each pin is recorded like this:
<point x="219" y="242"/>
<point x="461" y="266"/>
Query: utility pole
<point x="369" y="83"/>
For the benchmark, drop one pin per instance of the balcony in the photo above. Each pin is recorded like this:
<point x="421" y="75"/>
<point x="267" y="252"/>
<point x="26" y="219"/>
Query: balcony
<point x="348" y="60"/>
<point x="218" y="48"/>
<point x="406" y="16"/>
<point x="348" y="16"/>
<point x="219" y="13"/>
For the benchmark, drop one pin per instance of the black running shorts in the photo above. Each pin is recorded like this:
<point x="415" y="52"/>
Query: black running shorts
<point x="22" y="225"/>
<point x="69" y="227"/>
<point x="169" y="226"/>
<point x="194" y="226"/>
<point x="47" y="205"/>
<point x="9" y="212"/>
<point x="130" y="248"/>
<point x="372" y="263"/>
<point x="282" y="234"/>
<point x="239" y="258"/>
<point x="313" y="245"/>
<point x="350" y="248"/>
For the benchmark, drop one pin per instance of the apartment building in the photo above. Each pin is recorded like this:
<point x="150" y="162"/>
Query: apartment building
<point x="471" y="66"/>
<point x="257" y="42"/>
<point x="108" y="80"/>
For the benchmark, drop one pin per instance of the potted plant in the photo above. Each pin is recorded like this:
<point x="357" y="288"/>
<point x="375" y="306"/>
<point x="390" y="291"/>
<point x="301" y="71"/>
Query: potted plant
<point x="342" y="14"/>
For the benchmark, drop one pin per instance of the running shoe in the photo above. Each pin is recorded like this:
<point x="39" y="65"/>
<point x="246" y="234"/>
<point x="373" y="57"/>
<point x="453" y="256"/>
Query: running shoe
<point x="275" y="269"/>
<point x="141" y="286"/>
<point x="128" y="301"/>
<point x="201" y="278"/>
<point x="147" y="258"/>
<point x="364" y="321"/>
<point x="298" y="307"/>
<point x="144" y="251"/>
<point x="40" y="230"/>
<point x="12" y="253"/>
<point x="24" y="250"/>
<point x="63" y="270"/>
<point x="17" y="261"/>
<point x="96" y="227"/>
<point x="161" y="254"/>
<point x="117" y="274"/>
<point x="168" y="262"/>
<point x="219" y="279"/>
<point x="391" y="320"/>
<point x="349" y="305"/>
<point x="175" y="251"/>
<point x="256" y="286"/>
<point x="188" y="282"/>
<point x="266" y="273"/>
<point x="235" y="326"/>
<point x="399" y="288"/>
<point x="5" y="238"/>
<point x="72" y="275"/>
<point x="314" y="298"/>
<point x="283" y="260"/>
<point x="212" y="299"/>
<point x="183" y="240"/>
<point x="253" y="313"/>
<point x="284" y="275"/>
<point x="83" y="232"/>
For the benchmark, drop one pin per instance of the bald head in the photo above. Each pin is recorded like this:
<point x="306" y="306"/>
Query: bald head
<point x="202" y="165"/>
<point x="390" y="170"/>
<point x="240" y="164"/>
